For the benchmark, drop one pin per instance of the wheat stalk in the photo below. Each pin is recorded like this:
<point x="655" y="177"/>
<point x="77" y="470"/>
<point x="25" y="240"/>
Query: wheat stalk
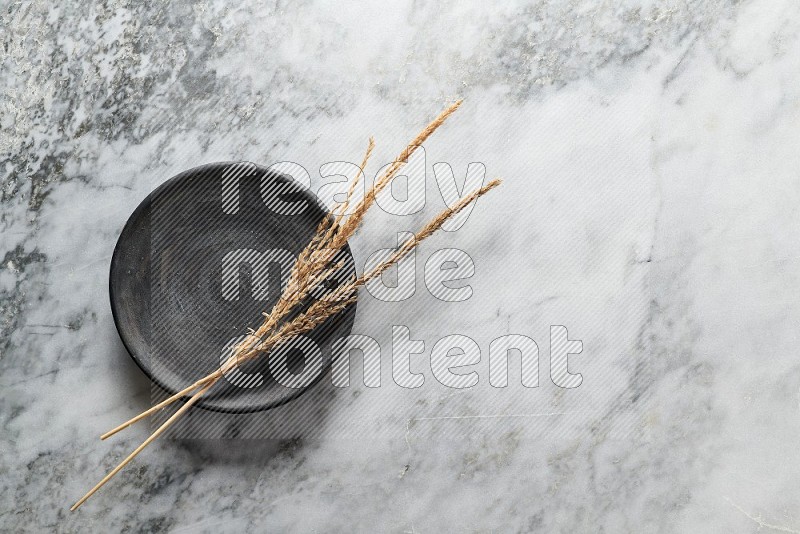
<point x="330" y="236"/>
<point x="314" y="265"/>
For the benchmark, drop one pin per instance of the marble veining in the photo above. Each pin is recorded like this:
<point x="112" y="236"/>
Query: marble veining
<point x="649" y="151"/>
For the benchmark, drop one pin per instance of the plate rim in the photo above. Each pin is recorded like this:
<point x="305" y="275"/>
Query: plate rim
<point x="145" y="204"/>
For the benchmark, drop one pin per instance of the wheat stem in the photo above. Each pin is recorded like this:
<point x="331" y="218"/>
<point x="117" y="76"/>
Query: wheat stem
<point x="317" y="313"/>
<point x="141" y="447"/>
<point x="311" y="268"/>
<point x="301" y="267"/>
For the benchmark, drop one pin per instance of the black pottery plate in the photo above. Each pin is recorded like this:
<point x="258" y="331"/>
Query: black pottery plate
<point x="198" y="262"/>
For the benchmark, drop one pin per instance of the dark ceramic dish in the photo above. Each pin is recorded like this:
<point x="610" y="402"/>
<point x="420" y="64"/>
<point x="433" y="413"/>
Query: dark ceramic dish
<point x="193" y="269"/>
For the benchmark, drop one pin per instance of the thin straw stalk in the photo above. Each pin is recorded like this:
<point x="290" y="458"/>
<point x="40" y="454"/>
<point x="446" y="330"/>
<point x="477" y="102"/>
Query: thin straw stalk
<point x="330" y="236"/>
<point x="317" y="313"/>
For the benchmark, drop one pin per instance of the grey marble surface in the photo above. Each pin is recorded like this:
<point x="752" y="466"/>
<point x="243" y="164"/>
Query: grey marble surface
<point x="650" y="204"/>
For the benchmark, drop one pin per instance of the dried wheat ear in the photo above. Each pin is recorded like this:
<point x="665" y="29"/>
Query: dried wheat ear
<point x="314" y="264"/>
